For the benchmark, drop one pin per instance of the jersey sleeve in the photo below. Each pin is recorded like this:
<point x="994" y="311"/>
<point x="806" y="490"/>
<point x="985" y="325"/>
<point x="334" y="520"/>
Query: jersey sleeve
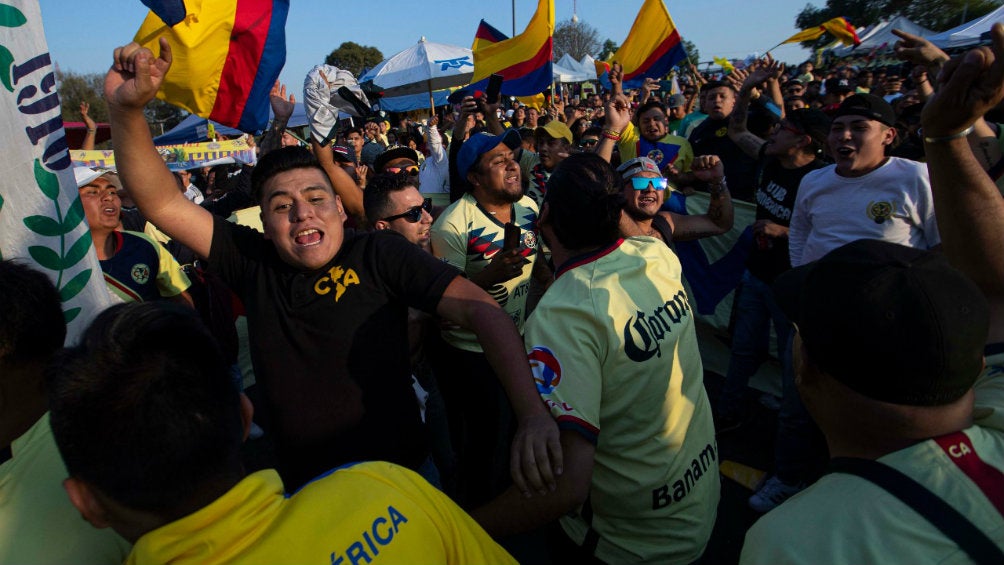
<point x="449" y="243"/>
<point x="565" y="358"/>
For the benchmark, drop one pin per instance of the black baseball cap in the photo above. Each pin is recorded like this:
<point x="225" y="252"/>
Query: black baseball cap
<point x="869" y="106"/>
<point x="893" y="323"/>
<point x="811" y="122"/>
<point x="392" y="154"/>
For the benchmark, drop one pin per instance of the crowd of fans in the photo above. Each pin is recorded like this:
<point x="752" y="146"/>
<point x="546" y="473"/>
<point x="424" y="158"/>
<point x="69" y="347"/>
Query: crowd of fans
<point x="523" y="356"/>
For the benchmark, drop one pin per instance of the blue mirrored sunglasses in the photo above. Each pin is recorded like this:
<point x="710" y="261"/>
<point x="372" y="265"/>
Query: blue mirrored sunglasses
<point x="641" y="183"/>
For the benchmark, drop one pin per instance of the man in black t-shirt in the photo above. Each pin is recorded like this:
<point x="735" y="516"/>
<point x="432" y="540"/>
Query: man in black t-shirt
<point x="793" y="150"/>
<point x="327" y="307"/>
<point x="711" y="137"/>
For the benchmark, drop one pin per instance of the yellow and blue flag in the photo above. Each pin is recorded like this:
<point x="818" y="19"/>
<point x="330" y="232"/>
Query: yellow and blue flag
<point x="524" y="61"/>
<point x="227" y="56"/>
<point x="652" y="46"/>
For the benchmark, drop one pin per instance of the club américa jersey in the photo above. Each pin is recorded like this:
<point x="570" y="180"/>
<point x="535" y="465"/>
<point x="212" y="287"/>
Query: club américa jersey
<point x="468" y="238"/>
<point x="669" y="150"/>
<point x="142" y="269"/>
<point x="614" y="354"/>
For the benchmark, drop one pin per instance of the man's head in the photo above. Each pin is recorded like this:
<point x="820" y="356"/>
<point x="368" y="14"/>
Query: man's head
<point x="99" y="196"/>
<point x="891" y="325"/>
<point x="794" y="87"/>
<point x="643" y="186"/>
<point x="300" y="212"/>
<point x="862" y="129"/>
<point x="486" y="161"/>
<point x="837" y="90"/>
<point x="677" y="107"/>
<point x="355" y="138"/>
<point x="583" y="203"/>
<point x="590" y="138"/>
<point x="719" y="100"/>
<point x="32" y="330"/>
<point x="801" y="131"/>
<point x="146" y="422"/>
<point x="652" y="122"/>
<point x="372" y="129"/>
<point x="397" y="160"/>
<point x="393" y="202"/>
<point x="532" y="114"/>
<point x="554" y="143"/>
<point x="792" y="103"/>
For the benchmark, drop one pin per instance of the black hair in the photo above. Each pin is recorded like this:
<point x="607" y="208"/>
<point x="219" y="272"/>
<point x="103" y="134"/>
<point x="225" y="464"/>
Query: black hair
<point x="144" y="409"/>
<point x="376" y="197"/>
<point x="280" y="161"/>
<point x="32" y="326"/>
<point x="584" y="202"/>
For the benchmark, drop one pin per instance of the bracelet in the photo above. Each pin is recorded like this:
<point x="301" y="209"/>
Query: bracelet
<point x="718" y="188"/>
<point x="611" y="134"/>
<point x="89" y="130"/>
<point x="943" y="139"/>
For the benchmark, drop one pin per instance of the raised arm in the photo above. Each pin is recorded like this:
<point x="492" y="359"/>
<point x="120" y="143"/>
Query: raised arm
<point x="92" y="128"/>
<point x="133" y="80"/>
<point x="616" y="120"/>
<point x="282" y="109"/>
<point x="746" y="140"/>
<point x="720" y="215"/>
<point x="345" y="187"/>
<point x="970" y="210"/>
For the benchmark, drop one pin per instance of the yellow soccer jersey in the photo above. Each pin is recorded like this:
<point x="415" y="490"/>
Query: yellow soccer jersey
<point x="468" y="238"/>
<point x="614" y="353"/>
<point x="670" y="150"/>
<point x="366" y="514"/>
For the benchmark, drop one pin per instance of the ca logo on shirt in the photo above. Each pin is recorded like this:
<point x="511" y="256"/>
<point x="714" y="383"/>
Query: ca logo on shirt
<point x="337" y="279"/>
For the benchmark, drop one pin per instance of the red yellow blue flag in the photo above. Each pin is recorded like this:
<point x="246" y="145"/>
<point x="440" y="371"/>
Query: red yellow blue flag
<point x="486" y="35"/>
<point x="652" y="46"/>
<point x="227" y="56"/>
<point x="524" y="61"/>
<point x="838" y="27"/>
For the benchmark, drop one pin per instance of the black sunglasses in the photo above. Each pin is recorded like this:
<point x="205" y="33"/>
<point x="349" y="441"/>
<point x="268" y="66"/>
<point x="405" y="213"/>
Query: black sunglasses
<point x="413" y="214"/>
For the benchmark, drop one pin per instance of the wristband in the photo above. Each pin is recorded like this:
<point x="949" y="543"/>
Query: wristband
<point x="89" y="130"/>
<point x="611" y="134"/>
<point x="943" y="139"/>
<point x="718" y="188"/>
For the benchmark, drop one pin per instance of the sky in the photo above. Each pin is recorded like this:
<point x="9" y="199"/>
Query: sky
<point x="81" y="42"/>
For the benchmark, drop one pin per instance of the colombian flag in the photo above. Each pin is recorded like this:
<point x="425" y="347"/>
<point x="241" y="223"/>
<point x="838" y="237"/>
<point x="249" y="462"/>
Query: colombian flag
<point x="525" y="60"/>
<point x="652" y="46"/>
<point x="227" y="56"/>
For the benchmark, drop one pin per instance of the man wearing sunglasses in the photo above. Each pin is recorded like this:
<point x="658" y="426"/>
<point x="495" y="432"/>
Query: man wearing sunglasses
<point x="393" y="202"/>
<point x="645" y="190"/>
<point x="398" y="160"/>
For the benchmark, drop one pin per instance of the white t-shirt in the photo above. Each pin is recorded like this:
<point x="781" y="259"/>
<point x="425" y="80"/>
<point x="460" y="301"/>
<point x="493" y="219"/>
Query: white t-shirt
<point x="892" y="203"/>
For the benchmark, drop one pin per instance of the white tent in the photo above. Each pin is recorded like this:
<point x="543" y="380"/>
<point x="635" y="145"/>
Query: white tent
<point x="968" y="33"/>
<point x="879" y="36"/>
<point x="562" y="74"/>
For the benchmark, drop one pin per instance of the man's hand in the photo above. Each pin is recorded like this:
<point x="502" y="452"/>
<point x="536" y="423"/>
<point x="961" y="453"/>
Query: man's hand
<point x="535" y="459"/>
<point x="136" y="75"/>
<point x="918" y="50"/>
<point x="708" y="168"/>
<point x="736" y="78"/>
<point x="84" y="109"/>
<point x="504" y="266"/>
<point x="769" y="228"/>
<point x="616" y="76"/>
<point x="282" y="106"/>
<point x="618" y="113"/>
<point x="969" y="87"/>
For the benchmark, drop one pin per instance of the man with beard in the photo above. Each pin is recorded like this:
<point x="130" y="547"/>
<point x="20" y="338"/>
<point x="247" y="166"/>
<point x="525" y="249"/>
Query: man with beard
<point x="470" y="236"/>
<point x="644" y="190"/>
<point x="554" y="144"/>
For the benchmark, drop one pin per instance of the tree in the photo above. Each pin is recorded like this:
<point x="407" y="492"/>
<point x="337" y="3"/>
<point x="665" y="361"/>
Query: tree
<point x="693" y="55"/>
<point x="577" y="38"/>
<point x="937" y="15"/>
<point x="608" y="49"/>
<point x="76" y="88"/>
<point x="352" y="57"/>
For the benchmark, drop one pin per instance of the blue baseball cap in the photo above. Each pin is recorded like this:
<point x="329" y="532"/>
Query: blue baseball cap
<point x="481" y="143"/>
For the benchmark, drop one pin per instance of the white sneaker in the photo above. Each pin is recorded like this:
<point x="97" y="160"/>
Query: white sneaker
<point x="772" y="493"/>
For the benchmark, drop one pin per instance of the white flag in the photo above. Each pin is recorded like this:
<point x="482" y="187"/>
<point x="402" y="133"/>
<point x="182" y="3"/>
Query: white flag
<point x="41" y="218"/>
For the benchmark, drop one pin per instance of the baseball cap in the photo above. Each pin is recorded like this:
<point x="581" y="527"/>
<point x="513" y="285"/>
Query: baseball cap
<point x="481" y="143"/>
<point x="839" y="85"/>
<point x="556" y="130"/>
<point x="893" y="323"/>
<point x="394" y="153"/>
<point x="676" y="100"/>
<point x="812" y="122"/>
<point x="638" y="165"/>
<point x="869" y="106"/>
<point x="86" y="175"/>
<point x="341" y="154"/>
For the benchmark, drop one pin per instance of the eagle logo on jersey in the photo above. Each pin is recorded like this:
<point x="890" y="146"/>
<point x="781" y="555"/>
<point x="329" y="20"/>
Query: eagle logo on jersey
<point x="546" y="369"/>
<point x="656" y="155"/>
<point x="879" y="212"/>
<point x="140" y="273"/>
